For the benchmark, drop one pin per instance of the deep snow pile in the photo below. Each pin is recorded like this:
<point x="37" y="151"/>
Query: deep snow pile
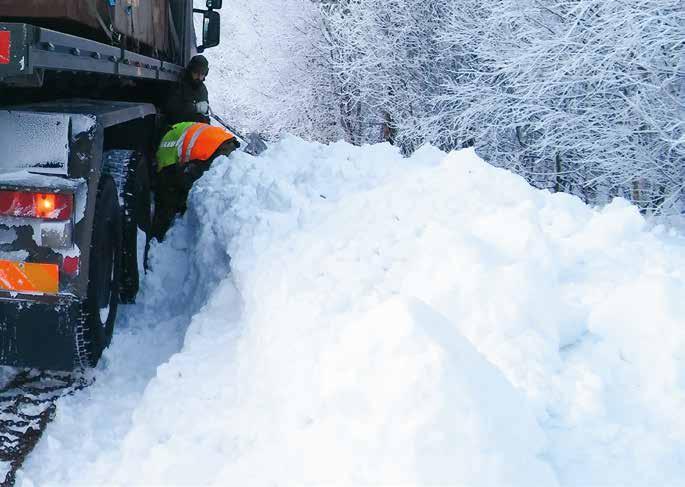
<point x="416" y="321"/>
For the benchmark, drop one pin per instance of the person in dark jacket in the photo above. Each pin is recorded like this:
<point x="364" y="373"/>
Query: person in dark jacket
<point x="189" y="102"/>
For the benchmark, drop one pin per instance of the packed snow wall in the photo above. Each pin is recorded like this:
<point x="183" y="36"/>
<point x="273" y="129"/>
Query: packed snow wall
<point x="429" y="320"/>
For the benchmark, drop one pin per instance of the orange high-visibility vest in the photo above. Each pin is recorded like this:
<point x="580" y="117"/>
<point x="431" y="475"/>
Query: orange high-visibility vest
<point x="188" y="141"/>
<point x="201" y="142"/>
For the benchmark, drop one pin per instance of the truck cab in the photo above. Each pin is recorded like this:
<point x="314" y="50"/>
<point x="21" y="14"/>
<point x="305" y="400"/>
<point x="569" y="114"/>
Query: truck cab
<point x="81" y="109"/>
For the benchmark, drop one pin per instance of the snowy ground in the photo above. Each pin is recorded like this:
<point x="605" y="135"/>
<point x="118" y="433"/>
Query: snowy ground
<point x="392" y="321"/>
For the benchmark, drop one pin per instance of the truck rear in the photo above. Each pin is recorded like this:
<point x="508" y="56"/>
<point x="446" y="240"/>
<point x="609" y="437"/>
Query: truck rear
<point x="79" y="119"/>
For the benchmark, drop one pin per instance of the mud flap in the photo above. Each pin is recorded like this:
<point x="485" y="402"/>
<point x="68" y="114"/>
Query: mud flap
<point x="38" y="334"/>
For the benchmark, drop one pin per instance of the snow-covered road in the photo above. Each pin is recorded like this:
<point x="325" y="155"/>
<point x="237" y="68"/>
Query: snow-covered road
<point x="420" y="321"/>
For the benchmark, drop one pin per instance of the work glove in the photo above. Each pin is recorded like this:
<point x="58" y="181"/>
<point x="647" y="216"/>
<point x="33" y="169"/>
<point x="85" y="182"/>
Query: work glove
<point x="202" y="107"/>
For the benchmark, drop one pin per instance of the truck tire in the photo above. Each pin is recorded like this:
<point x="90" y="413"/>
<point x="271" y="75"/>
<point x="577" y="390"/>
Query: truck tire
<point x="94" y="330"/>
<point x="137" y="209"/>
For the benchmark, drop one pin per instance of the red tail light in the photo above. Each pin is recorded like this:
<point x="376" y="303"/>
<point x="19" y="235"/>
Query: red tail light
<point x="48" y="206"/>
<point x="70" y="265"/>
<point x="5" y="44"/>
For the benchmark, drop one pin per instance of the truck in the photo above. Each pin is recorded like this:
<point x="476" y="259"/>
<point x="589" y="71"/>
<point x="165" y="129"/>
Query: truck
<point x="83" y="85"/>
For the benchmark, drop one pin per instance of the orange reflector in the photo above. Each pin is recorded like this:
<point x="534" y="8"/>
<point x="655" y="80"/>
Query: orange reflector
<point x="29" y="278"/>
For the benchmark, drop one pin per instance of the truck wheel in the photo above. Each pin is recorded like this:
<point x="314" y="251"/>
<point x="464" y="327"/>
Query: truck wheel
<point x="94" y="332"/>
<point x="137" y="209"/>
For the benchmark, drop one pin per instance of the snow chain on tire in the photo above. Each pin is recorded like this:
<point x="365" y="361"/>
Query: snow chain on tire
<point x="91" y="334"/>
<point x="83" y="358"/>
<point x="131" y="176"/>
<point x="27" y="404"/>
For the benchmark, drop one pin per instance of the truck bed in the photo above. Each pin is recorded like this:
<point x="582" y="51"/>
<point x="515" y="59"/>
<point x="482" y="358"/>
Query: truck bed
<point x="26" y="51"/>
<point x="141" y="26"/>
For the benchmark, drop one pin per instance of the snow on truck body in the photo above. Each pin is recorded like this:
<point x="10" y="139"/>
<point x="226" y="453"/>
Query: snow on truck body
<point x="50" y="166"/>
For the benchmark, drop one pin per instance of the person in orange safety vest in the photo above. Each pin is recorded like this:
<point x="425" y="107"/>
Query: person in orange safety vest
<point x="187" y="150"/>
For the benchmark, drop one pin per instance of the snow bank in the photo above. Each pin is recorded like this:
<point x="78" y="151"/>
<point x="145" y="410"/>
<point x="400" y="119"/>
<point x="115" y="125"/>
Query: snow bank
<point x="419" y="321"/>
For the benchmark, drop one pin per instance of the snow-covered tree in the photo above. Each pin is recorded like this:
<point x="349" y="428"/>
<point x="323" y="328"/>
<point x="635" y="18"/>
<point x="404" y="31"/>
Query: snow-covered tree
<point x="385" y="55"/>
<point x="270" y="75"/>
<point x="584" y="96"/>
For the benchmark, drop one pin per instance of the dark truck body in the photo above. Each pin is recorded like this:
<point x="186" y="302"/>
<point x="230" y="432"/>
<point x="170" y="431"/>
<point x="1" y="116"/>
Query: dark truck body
<point x="67" y="102"/>
<point x="38" y="330"/>
<point x="143" y="24"/>
<point x="37" y="51"/>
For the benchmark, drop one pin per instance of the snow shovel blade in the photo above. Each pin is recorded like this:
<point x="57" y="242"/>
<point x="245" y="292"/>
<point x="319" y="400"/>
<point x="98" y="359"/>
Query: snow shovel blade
<point x="255" y="144"/>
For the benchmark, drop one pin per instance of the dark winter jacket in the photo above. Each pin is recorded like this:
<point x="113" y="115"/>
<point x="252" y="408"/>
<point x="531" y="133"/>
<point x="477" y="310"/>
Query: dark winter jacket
<point x="182" y="104"/>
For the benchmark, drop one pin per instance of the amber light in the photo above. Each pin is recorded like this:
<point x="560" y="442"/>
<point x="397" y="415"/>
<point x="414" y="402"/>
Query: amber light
<point x="47" y="206"/>
<point x="44" y="205"/>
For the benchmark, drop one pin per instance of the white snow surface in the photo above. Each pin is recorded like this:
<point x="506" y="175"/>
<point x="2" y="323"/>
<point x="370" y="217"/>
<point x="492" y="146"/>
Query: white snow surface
<point x="388" y="321"/>
<point x="38" y="141"/>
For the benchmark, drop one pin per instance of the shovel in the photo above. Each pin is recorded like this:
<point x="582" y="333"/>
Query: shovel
<point x="253" y="144"/>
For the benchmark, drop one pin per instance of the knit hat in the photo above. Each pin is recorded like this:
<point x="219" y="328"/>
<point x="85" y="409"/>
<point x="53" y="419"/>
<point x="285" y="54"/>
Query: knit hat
<point x="198" y="64"/>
